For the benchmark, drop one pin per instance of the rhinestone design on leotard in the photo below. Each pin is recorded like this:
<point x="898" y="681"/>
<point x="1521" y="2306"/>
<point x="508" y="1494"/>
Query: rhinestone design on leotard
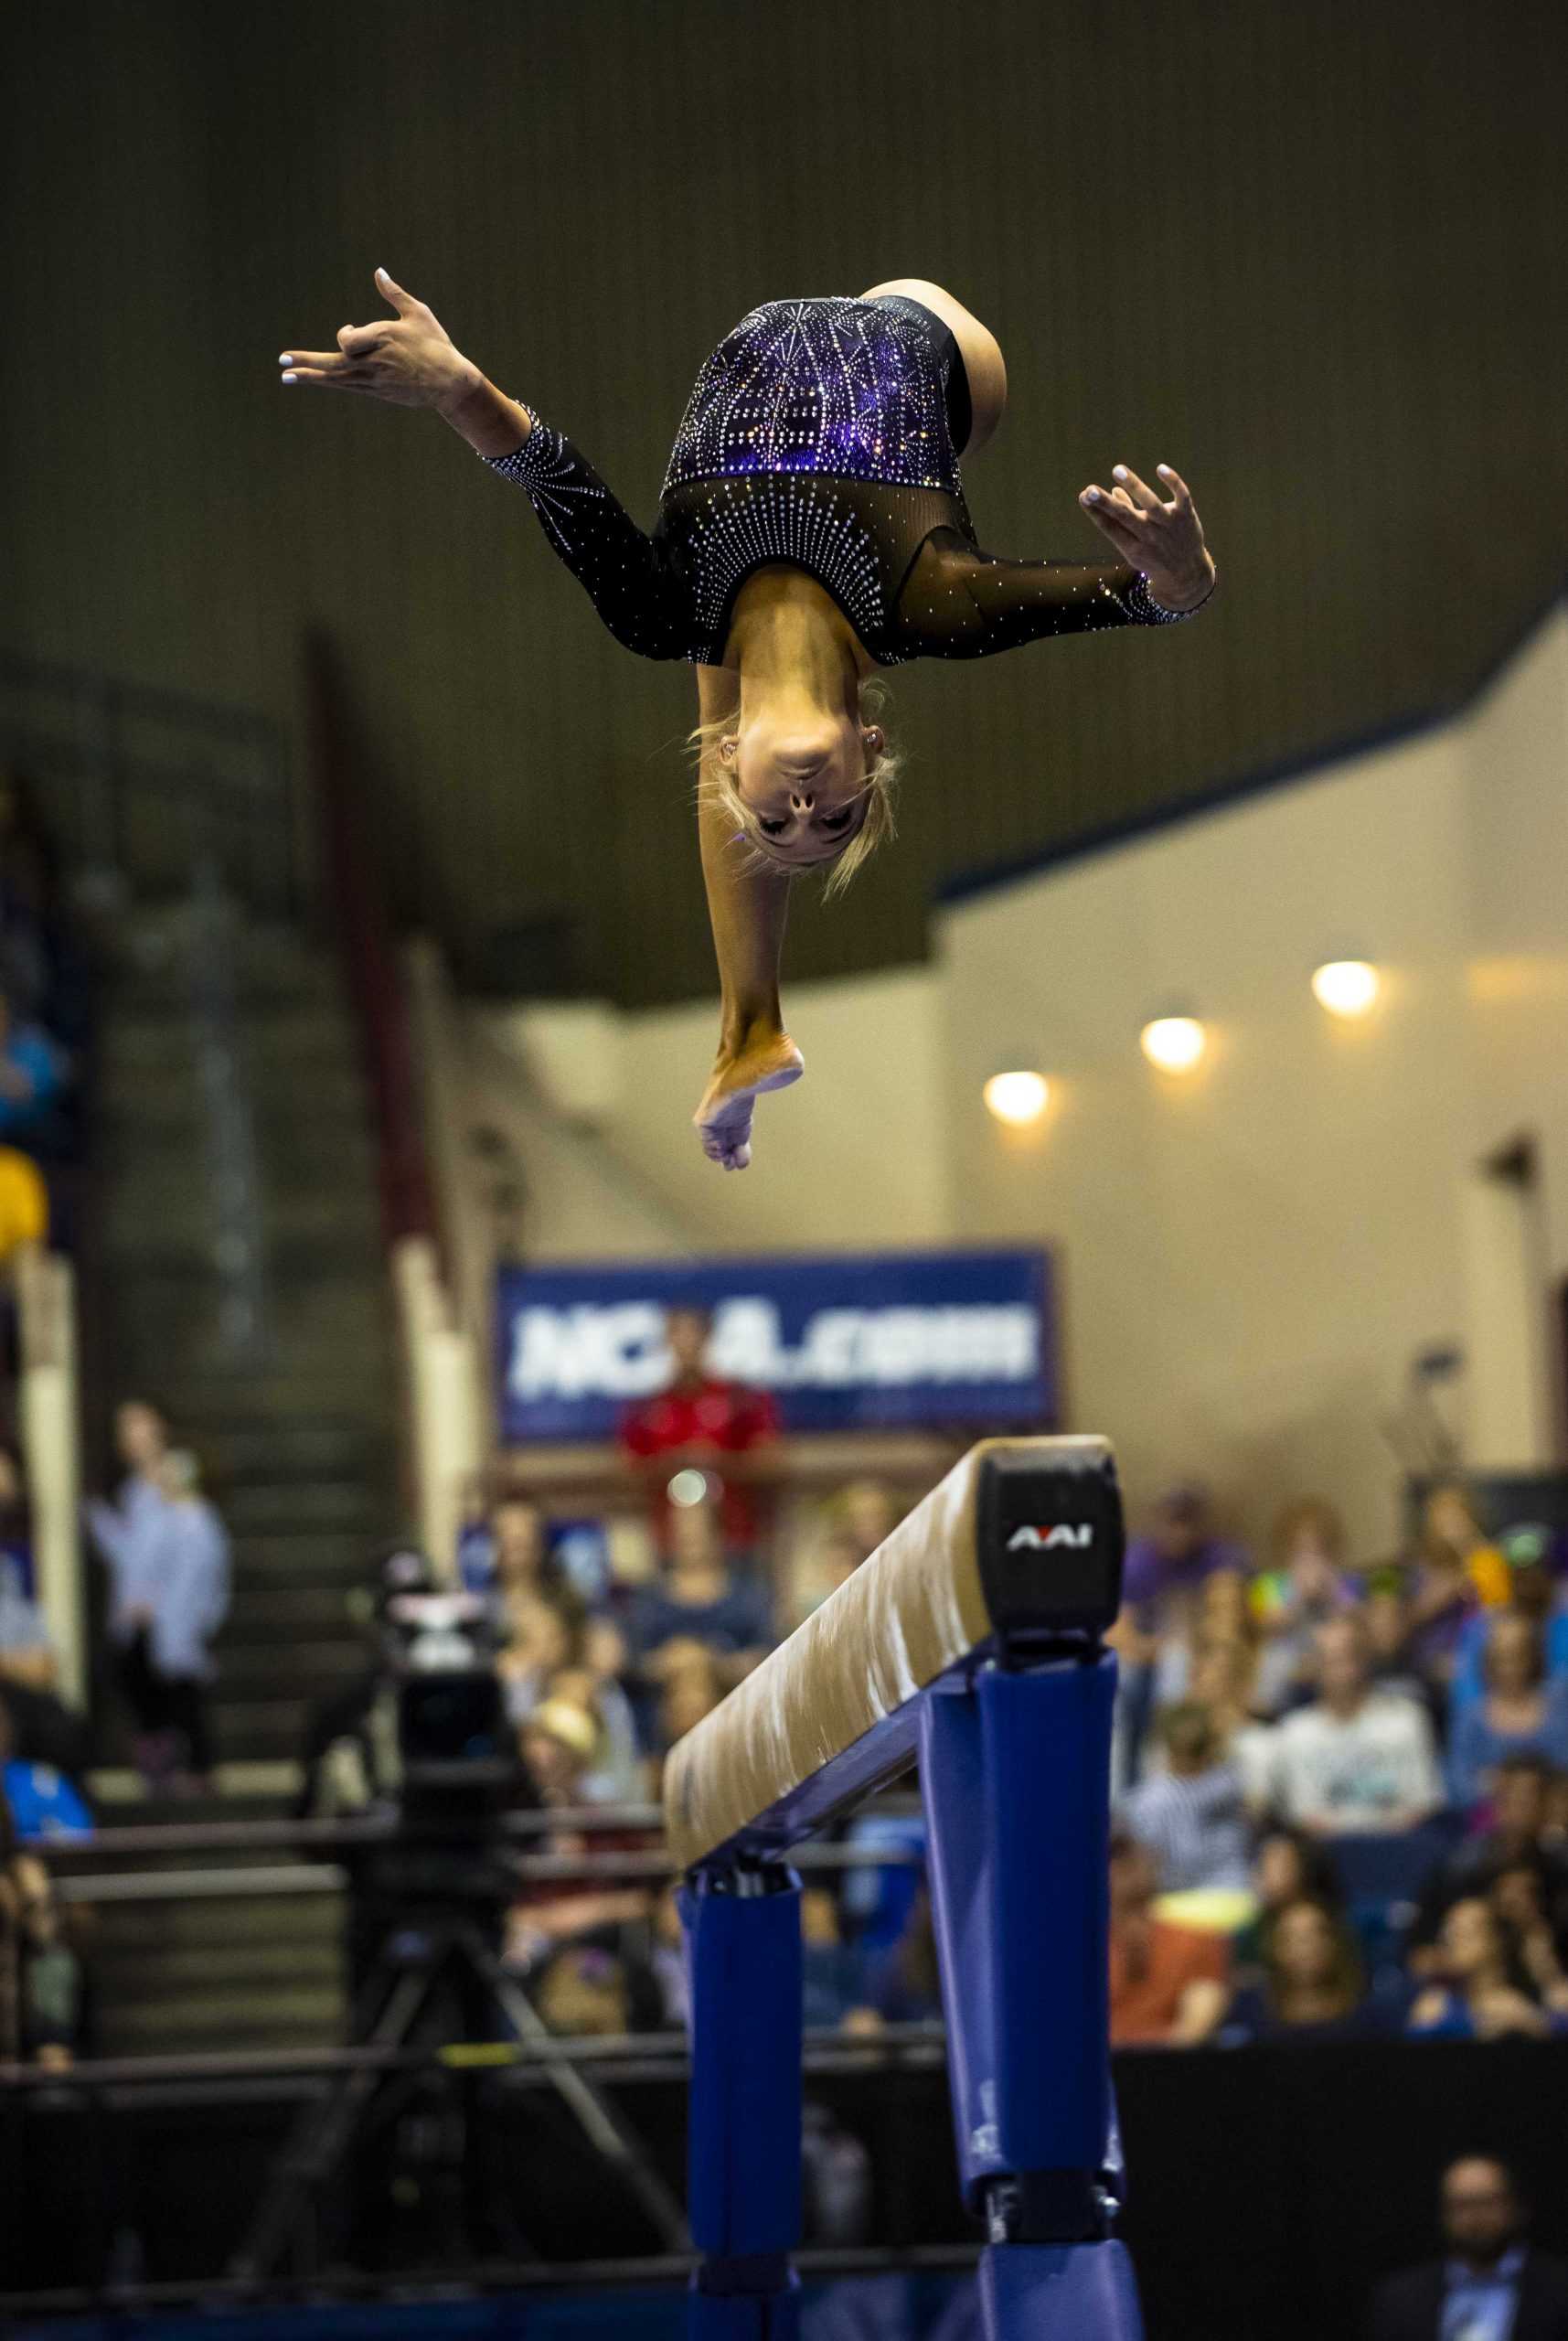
<point x="853" y="388"/>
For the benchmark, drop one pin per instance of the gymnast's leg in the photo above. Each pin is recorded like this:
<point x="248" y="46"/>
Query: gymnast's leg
<point x="747" y="905"/>
<point x="986" y="373"/>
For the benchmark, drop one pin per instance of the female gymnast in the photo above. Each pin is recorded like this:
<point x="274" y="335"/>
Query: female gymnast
<point x="812" y="529"/>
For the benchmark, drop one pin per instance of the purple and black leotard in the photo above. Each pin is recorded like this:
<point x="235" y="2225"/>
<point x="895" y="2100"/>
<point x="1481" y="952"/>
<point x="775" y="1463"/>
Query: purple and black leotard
<point x="823" y="434"/>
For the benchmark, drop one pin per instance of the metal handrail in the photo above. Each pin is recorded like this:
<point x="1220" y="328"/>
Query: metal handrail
<point x="617" y="2056"/>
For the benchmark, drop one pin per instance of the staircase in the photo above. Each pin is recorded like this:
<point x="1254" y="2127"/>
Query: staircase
<point x="243" y="1290"/>
<point x="272" y="1352"/>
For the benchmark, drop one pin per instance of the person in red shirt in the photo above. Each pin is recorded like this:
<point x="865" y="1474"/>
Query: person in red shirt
<point x="726" y="1432"/>
<point x="1168" y="1983"/>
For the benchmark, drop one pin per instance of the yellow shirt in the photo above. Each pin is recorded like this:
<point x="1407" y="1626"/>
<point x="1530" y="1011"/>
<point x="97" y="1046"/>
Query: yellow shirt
<point x="24" y="1202"/>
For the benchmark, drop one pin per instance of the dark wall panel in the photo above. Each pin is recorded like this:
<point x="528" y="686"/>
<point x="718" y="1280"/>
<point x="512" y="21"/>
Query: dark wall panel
<point x="1309" y="253"/>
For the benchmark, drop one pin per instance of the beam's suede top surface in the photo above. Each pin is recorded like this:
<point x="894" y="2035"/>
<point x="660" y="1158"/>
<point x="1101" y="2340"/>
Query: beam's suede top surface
<point x="914" y="1610"/>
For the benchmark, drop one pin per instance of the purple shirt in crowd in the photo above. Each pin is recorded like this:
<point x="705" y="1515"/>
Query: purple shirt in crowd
<point x="1149" y="1576"/>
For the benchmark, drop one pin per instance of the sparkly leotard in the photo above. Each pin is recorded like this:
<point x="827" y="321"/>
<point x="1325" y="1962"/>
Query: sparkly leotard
<point x="823" y="433"/>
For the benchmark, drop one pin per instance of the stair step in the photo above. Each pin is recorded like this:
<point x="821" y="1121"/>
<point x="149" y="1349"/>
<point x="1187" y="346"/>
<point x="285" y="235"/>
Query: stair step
<point x="311" y="2017"/>
<point x="282" y="1561"/>
<point x="209" y="1926"/>
<point x="262" y="1614"/>
<point x="255" y="1728"/>
<point x="346" y="1505"/>
<point x="250" y="1669"/>
<point x="162" y="1973"/>
<point x="284" y="1451"/>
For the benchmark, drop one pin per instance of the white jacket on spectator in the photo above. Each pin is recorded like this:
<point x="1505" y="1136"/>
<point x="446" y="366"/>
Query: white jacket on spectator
<point x="1376" y="1769"/>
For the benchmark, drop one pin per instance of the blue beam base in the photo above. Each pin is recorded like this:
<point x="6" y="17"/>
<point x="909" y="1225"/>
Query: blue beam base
<point x="742" y="1935"/>
<point x="1075" y="2292"/>
<point x="739" y="2316"/>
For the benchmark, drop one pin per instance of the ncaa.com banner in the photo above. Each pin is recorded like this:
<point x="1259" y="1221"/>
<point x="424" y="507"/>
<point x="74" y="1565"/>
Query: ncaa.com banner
<point x="895" y="1339"/>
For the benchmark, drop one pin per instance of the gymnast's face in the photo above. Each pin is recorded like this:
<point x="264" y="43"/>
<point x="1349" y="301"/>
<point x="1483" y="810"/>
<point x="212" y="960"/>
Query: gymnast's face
<point x="804" y="782"/>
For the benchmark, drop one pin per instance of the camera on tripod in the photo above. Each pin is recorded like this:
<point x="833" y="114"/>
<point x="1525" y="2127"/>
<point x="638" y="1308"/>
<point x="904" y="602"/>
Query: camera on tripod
<point x="458" y="1765"/>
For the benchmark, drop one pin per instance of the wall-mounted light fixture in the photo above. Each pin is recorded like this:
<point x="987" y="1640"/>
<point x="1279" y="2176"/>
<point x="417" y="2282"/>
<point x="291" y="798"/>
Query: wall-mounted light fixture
<point x="1016" y="1097"/>
<point x="1346" y="987"/>
<point x="1174" y="1044"/>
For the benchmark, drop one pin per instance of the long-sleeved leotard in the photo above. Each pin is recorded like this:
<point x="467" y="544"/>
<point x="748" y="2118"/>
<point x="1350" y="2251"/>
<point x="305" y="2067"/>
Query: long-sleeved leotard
<point x="819" y="434"/>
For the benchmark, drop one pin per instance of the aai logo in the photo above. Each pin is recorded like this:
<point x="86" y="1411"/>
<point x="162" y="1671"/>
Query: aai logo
<point x="1046" y="1540"/>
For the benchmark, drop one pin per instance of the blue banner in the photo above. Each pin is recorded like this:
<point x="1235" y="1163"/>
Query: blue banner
<point x="894" y="1339"/>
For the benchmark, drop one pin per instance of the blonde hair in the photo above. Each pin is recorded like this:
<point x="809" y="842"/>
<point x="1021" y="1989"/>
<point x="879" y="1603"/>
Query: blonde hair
<point x="715" y="784"/>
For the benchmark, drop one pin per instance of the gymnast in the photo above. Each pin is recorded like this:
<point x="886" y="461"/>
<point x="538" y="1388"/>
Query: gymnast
<point x="812" y="529"/>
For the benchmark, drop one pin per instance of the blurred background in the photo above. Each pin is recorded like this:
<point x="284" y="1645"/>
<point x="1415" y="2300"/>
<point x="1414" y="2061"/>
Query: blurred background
<point x="355" y="993"/>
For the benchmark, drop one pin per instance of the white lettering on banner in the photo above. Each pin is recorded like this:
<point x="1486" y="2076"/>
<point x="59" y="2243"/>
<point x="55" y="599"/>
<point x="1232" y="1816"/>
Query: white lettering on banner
<point x="1042" y="1540"/>
<point x="589" y="1351"/>
<point x="616" y="1350"/>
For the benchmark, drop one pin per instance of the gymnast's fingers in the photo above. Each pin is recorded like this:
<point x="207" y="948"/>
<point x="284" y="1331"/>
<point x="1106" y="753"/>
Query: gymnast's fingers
<point x="1110" y="513"/>
<point x="322" y="361"/>
<point x="404" y="303"/>
<point x="357" y="341"/>
<point x="325" y="377"/>
<point x="1177" y="485"/>
<point x="1136" y="489"/>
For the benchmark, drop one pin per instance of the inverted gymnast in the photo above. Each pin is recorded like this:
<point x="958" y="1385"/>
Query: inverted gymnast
<point x="812" y="529"/>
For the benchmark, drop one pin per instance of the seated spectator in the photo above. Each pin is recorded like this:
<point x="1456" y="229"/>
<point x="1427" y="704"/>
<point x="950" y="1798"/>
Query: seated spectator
<point x="1306" y="1583"/>
<point x="544" y="1633"/>
<point x="1288" y="1866"/>
<point x="1517" y="1838"/>
<point x="691" y="1685"/>
<point x="1520" y="1713"/>
<point x="698" y="1597"/>
<point x="1223" y="1678"/>
<point x="1537" y="1593"/>
<point x="1493" y="2286"/>
<point x="850" y="1527"/>
<point x="699" y="1422"/>
<point x="617" y="1775"/>
<point x="41" y="1801"/>
<point x="1357" y="1761"/>
<point x="1519" y="1896"/>
<point x="1220" y="1610"/>
<point x="34" y="1073"/>
<point x="1167" y="1982"/>
<point x="901" y="1982"/>
<point x="168" y="1555"/>
<point x="1312" y="1988"/>
<point x="1191" y="1815"/>
<point x="832" y="1971"/>
<point x="41" y="1984"/>
<point x="559" y="1744"/>
<point x="1165" y="1566"/>
<point x="1482" y="1987"/>
<point x="1456" y="1570"/>
<point x="46" y="1731"/>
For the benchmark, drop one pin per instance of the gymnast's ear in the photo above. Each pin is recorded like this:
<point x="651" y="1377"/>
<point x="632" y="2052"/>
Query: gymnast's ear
<point x="728" y="747"/>
<point x="874" y="737"/>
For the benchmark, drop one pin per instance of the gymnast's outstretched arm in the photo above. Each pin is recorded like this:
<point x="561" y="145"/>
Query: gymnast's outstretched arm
<point x="960" y="603"/>
<point x="412" y="360"/>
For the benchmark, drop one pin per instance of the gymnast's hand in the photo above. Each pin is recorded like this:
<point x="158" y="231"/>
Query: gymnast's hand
<point x="1165" y="540"/>
<point x="407" y="360"/>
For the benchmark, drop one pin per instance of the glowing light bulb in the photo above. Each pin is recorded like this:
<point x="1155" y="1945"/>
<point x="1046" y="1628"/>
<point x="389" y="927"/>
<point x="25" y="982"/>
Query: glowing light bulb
<point x="1018" y="1098"/>
<point x="1174" y="1044"/>
<point x="687" y="1487"/>
<point x="1346" y="987"/>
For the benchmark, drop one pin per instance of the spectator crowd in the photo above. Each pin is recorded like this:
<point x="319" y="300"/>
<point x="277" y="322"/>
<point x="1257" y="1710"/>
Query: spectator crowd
<point x="1340" y="1787"/>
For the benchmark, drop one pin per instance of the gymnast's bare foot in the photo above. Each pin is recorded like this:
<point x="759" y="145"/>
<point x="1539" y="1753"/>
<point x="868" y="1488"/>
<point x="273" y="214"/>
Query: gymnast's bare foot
<point x="765" y="1059"/>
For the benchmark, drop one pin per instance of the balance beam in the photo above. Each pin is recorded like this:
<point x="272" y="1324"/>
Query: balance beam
<point x="1020" y="1546"/>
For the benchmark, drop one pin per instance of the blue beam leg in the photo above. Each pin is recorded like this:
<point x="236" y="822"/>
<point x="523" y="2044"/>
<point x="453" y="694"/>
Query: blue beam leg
<point x="1015" y="1772"/>
<point x="742" y="1933"/>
